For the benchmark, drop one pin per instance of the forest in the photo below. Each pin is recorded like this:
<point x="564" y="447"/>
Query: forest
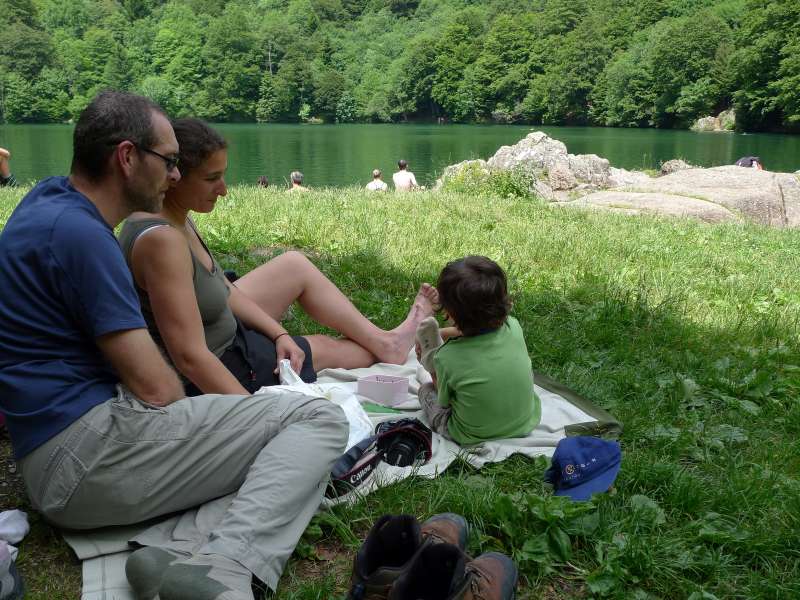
<point x="624" y="63"/>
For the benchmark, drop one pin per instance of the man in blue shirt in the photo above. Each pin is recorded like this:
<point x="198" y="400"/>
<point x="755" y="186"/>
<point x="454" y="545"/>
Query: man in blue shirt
<point x="99" y="421"/>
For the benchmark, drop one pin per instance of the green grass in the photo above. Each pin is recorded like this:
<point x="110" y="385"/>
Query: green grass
<point x="687" y="332"/>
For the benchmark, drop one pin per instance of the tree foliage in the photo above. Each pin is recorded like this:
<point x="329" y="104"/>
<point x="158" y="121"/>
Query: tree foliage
<point x="632" y="63"/>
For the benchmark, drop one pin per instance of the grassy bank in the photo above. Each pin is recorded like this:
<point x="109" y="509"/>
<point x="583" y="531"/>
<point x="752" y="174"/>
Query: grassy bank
<point x="688" y="333"/>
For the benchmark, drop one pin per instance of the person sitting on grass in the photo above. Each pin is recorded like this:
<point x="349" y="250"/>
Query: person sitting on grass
<point x="102" y="430"/>
<point x="404" y="180"/>
<point x="297" y="182"/>
<point x="482" y="385"/>
<point x="6" y="177"/>
<point x="377" y="184"/>
<point x="226" y="338"/>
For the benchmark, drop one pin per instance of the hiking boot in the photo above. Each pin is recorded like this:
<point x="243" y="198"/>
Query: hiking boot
<point x="444" y="572"/>
<point x="391" y="545"/>
<point x="491" y="576"/>
<point x="448" y="528"/>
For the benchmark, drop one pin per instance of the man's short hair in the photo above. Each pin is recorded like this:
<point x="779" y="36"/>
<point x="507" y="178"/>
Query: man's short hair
<point x="110" y="118"/>
<point x="402" y="163"/>
<point x="376" y="173"/>
<point x="297" y="177"/>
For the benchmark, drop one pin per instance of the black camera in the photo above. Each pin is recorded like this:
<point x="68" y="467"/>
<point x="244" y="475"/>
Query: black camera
<point x="404" y="442"/>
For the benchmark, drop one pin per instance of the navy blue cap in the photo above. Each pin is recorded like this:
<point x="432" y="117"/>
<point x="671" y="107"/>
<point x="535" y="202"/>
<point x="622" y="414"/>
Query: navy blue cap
<point x="583" y="465"/>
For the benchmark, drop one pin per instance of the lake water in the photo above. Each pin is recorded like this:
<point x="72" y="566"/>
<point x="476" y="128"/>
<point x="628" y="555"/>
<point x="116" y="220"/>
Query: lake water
<point x="336" y="155"/>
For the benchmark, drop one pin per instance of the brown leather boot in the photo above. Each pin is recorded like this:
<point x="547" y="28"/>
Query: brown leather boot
<point x="444" y="572"/>
<point x="391" y="546"/>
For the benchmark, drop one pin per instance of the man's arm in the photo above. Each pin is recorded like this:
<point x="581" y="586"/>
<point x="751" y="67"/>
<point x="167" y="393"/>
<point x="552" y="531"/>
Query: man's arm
<point x="137" y="360"/>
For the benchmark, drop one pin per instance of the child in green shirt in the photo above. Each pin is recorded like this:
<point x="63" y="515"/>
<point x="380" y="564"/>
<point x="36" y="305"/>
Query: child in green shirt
<point x="482" y="382"/>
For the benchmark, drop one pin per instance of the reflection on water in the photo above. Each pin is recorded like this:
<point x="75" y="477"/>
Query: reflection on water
<point x="336" y="155"/>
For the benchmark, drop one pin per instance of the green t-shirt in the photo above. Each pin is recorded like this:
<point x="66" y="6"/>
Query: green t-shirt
<point x="486" y="379"/>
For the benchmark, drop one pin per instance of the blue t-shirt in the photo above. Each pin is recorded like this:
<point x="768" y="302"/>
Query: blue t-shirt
<point x="63" y="283"/>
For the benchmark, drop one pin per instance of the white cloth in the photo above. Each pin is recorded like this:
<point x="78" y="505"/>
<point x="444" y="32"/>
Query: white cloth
<point x="13" y="528"/>
<point x="377" y="185"/>
<point x="404" y="181"/>
<point x="104" y="551"/>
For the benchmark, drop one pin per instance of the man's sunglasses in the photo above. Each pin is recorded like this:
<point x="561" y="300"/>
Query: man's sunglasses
<point x="170" y="162"/>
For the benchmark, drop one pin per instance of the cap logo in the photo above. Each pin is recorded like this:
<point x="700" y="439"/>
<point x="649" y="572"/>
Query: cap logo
<point x="569" y="469"/>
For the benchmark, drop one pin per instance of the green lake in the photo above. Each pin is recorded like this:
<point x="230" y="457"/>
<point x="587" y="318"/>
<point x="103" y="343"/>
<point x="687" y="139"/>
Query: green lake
<point x="337" y="155"/>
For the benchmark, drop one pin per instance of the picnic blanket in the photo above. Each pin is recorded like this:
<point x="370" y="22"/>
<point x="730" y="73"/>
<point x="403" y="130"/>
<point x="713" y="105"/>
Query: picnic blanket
<point x="104" y="551"/>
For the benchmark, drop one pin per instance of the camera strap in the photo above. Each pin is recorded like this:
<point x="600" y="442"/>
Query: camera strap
<point x="404" y="441"/>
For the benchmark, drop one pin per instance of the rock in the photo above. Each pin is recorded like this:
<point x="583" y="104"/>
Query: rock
<point x="537" y="151"/>
<point x="759" y="196"/>
<point x="655" y="203"/>
<point x="727" y="119"/>
<point x="724" y="121"/>
<point x="707" y="124"/>
<point x="539" y="154"/>
<point x="624" y="178"/>
<point x="561" y="178"/>
<point x="676" y="164"/>
<point x="589" y="168"/>
<point x="469" y="172"/>
<point x="713" y="195"/>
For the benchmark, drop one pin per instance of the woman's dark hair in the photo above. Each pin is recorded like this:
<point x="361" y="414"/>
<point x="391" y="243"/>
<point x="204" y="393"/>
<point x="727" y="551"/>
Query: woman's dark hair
<point x="474" y="292"/>
<point x="110" y="118"/>
<point x="197" y="141"/>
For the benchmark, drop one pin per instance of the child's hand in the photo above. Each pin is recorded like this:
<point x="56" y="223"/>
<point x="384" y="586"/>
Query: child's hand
<point x="449" y="332"/>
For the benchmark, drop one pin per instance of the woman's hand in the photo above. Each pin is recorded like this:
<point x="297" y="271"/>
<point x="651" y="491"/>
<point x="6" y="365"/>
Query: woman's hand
<point x="286" y="347"/>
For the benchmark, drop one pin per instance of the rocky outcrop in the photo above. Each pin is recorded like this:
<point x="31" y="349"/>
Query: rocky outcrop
<point x="655" y="203"/>
<point x="714" y="195"/>
<point x="676" y="164"/>
<point x="748" y="194"/>
<point x="724" y="121"/>
<point x="540" y="153"/>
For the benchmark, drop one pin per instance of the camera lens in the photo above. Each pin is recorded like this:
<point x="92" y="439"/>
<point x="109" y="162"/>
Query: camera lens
<point x="402" y="452"/>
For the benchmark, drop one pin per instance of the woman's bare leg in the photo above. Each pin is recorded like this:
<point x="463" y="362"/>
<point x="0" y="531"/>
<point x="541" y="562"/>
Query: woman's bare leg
<point x="291" y="277"/>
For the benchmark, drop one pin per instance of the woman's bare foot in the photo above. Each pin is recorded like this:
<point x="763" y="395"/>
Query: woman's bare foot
<point x="399" y="340"/>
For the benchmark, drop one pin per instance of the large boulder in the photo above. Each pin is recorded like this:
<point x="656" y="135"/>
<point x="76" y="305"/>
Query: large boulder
<point x="676" y="164"/>
<point x="716" y="194"/>
<point x="537" y="151"/>
<point x="655" y="203"/>
<point x="724" y="121"/>
<point x="541" y="155"/>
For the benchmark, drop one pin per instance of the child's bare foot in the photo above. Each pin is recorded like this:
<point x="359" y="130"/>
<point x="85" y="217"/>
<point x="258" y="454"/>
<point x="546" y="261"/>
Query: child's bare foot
<point x="401" y="338"/>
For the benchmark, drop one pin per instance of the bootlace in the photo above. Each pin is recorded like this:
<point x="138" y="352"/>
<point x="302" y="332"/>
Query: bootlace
<point x="478" y="583"/>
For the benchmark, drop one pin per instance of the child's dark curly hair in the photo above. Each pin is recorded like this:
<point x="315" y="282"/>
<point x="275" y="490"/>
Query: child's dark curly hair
<point x="474" y="292"/>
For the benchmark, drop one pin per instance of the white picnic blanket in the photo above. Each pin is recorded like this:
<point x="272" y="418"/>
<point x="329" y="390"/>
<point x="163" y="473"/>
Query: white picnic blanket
<point x="104" y="551"/>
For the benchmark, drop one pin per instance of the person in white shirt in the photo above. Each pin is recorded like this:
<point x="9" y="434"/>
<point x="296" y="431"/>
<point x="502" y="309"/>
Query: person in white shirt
<point x="377" y="184"/>
<point x="404" y="180"/>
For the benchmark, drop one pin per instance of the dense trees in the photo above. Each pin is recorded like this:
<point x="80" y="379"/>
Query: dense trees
<point x="658" y="63"/>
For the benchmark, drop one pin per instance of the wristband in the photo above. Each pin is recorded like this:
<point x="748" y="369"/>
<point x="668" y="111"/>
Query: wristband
<point x="275" y="339"/>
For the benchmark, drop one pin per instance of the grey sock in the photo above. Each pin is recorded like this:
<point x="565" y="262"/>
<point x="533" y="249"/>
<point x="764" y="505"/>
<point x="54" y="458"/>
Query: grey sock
<point x="206" y="577"/>
<point x="145" y="567"/>
<point x="429" y="341"/>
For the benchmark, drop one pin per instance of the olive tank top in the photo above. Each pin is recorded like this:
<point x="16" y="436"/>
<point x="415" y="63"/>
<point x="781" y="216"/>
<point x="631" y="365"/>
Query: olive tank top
<point x="219" y="324"/>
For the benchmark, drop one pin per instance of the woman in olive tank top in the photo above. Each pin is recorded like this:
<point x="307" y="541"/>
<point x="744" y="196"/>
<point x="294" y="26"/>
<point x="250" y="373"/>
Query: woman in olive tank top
<point x="227" y="338"/>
